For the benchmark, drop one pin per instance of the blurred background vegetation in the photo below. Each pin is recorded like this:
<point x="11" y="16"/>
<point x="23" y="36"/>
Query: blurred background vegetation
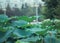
<point x="50" y="9"/>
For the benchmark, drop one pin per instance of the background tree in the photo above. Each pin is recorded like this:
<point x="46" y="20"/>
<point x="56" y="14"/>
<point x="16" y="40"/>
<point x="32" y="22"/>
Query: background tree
<point x="50" y="8"/>
<point x="1" y="11"/>
<point x="16" y="11"/>
<point x="8" y="10"/>
<point x="27" y="10"/>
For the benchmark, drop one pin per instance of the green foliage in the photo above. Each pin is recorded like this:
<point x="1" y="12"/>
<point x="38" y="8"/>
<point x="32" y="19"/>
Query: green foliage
<point x="3" y="18"/>
<point x="26" y="18"/>
<point x="57" y="23"/>
<point x="19" y="23"/>
<point x="16" y="31"/>
<point x="18" y="41"/>
<point x="9" y="29"/>
<point x="51" y="9"/>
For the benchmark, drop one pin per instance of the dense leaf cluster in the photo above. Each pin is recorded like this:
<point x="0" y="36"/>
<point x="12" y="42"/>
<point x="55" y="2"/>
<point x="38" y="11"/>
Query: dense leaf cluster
<point x="52" y="9"/>
<point x="13" y="30"/>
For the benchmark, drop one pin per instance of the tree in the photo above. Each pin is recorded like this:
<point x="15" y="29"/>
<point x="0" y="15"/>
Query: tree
<point x="57" y="10"/>
<point x="1" y="11"/>
<point x="27" y="10"/>
<point x="8" y="10"/>
<point x="16" y="11"/>
<point x="50" y="8"/>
